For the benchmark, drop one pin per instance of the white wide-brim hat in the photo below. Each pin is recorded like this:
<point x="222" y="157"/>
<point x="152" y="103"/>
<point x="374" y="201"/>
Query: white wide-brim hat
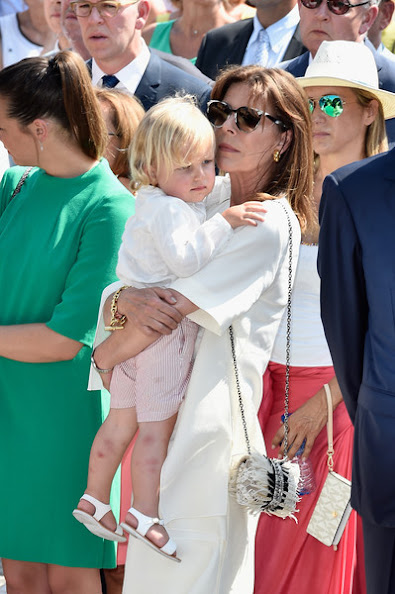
<point x="347" y="64"/>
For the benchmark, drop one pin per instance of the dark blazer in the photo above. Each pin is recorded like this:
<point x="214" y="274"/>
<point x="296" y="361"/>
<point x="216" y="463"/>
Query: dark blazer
<point x="182" y="63"/>
<point x="227" y="45"/>
<point x="385" y="70"/>
<point x="162" y="79"/>
<point x="356" y="262"/>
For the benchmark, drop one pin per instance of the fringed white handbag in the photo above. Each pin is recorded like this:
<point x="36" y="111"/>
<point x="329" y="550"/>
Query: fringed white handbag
<point x="258" y="483"/>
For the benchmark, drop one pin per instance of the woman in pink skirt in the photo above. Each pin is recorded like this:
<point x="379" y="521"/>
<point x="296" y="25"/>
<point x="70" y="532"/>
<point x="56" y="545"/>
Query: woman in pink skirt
<point x="348" y="125"/>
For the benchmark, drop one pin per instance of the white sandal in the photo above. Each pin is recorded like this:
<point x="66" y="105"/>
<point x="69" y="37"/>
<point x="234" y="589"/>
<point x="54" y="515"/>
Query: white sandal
<point x="144" y="523"/>
<point x="92" y="523"/>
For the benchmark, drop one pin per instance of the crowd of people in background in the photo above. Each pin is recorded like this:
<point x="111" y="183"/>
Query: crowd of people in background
<point x="157" y="160"/>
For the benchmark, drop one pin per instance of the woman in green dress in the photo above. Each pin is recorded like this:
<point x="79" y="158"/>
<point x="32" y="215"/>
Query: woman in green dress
<point x="59" y="238"/>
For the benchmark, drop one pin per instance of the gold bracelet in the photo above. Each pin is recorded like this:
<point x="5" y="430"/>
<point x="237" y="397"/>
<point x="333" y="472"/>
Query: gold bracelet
<point x="117" y="322"/>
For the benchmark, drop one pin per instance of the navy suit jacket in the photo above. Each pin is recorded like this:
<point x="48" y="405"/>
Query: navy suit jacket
<point x="162" y="79"/>
<point x="227" y="45"/>
<point x="385" y="70"/>
<point x="356" y="262"/>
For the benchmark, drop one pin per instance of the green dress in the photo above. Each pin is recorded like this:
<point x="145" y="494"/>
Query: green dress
<point x="59" y="240"/>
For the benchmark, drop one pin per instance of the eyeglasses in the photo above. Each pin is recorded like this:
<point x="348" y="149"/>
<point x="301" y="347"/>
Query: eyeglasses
<point x="336" y="6"/>
<point x="331" y="105"/>
<point x="106" y="8"/>
<point x="246" y="118"/>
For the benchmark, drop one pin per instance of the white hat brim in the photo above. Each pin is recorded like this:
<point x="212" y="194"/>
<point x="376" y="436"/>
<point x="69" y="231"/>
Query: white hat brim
<point x="386" y="98"/>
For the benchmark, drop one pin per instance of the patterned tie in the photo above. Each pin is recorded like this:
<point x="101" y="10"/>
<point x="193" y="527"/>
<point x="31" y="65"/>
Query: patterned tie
<point x="263" y="47"/>
<point x="110" y="81"/>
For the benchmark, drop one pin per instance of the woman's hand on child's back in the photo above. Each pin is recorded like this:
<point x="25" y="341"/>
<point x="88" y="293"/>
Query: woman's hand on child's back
<point x="248" y="213"/>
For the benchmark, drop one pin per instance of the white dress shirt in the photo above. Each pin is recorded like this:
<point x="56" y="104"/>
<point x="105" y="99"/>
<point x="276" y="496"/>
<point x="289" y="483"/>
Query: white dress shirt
<point x="384" y="51"/>
<point x="129" y="76"/>
<point x="280" y="35"/>
<point x="11" y="6"/>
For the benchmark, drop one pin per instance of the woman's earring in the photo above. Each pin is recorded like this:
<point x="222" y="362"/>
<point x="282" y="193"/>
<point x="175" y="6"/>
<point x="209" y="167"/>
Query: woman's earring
<point x="41" y="146"/>
<point x="276" y="156"/>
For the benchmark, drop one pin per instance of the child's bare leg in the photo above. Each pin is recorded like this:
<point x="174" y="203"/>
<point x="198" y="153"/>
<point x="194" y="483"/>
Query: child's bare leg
<point x="149" y="453"/>
<point x="108" y="448"/>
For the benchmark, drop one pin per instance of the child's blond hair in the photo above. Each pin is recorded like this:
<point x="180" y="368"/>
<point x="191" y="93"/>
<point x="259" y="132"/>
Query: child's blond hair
<point x="169" y="135"/>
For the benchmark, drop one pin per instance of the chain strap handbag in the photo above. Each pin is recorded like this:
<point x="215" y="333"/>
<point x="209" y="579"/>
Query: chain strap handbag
<point x="333" y="507"/>
<point x="257" y="482"/>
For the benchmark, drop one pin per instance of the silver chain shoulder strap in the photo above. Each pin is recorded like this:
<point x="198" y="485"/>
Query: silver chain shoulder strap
<point x="287" y="349"/>
<point x="21" y="182"/>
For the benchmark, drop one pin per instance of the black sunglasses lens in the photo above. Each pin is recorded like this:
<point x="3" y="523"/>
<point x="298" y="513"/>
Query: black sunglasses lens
<point x="338" y="7"/>
<point x="247" y="119"/>
<point x="218" y="113"/>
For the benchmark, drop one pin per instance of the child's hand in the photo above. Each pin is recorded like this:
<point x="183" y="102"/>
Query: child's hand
<point x="248" y="213"/>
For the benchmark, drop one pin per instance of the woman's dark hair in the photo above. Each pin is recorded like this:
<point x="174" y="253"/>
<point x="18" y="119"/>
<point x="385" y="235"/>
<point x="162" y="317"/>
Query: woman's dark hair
<point x="293" y="174"/>
<point x="58" y="88"/>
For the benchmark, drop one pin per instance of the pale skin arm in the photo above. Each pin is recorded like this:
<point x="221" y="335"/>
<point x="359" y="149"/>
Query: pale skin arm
<point x="36" y="343"/>
<point x="308" y="420"/>
<point x="149" y="316"/>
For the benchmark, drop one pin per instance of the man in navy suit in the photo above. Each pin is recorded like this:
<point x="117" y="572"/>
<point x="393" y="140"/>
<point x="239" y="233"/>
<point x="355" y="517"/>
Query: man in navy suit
<point x="239" y="43"/>
<point x="356" y="262"/>
<point x="121" y="59"/>
<point x="319" y="24"/>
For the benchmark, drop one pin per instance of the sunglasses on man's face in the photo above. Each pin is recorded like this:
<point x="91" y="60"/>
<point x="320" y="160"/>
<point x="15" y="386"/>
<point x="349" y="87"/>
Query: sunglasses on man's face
<point x="246" y="118"/>
<point x="331" y="105"/>
<point x="336" y="6"/>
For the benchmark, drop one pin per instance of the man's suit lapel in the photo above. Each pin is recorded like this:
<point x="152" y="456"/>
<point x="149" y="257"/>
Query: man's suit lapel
<point x="147" y="88"/>
<point x="298" y="66"/>
<point x="240" y="42"/>
<point x="295" y="47"/>
<point x="89" y="66"/>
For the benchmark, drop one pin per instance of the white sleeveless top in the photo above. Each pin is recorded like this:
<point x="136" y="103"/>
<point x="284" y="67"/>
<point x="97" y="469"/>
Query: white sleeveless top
<point x="308" y="344"/>
<point x="14" y="45"/>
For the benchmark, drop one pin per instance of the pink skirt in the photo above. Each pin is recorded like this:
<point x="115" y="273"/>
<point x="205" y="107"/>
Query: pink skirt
<point x="288" y="560"/>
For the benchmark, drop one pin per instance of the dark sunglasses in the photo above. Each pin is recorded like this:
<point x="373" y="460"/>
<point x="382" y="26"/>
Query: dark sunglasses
<point x="331" y="105"/>
<point x="335" y="6"/>
<point x="246" y="118"/>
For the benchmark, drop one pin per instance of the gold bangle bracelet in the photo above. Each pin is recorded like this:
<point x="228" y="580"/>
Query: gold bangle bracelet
<point x="117" y="322"/>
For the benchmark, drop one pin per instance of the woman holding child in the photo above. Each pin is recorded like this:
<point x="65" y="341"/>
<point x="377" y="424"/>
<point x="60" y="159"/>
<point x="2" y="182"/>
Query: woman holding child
<point x="263" y="136"/>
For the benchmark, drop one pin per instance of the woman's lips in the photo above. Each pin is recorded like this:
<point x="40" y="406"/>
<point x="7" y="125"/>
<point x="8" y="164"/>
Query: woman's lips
<point x="227" y="148"/>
